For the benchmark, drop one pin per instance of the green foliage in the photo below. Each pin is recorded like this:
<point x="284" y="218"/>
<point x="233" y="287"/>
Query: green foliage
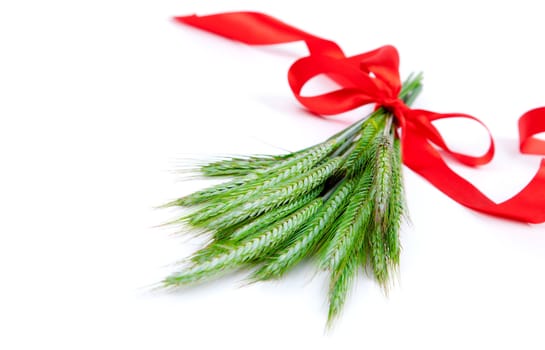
<point x="253" y="227"/>
<point x="267" y="178"/>
<point x="308" y="239"/>
<point x="349" y="232"/>
<point x="340" y="284"/>
<point x="238" y="166"/>
<point x="340" y="202"/>
<point x="248" y="250"/>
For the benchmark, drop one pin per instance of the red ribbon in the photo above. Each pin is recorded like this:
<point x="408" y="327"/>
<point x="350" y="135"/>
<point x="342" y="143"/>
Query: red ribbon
<point x="373" y="77"/>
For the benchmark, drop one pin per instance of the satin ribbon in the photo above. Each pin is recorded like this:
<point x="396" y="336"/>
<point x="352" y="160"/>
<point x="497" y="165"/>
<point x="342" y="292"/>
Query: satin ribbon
<point x="373" y="77"/>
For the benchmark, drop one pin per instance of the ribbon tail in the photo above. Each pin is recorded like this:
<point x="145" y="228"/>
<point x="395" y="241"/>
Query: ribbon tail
<point x="526" y="206"/>
<point x="254" y="28"/>
<point x="326" y="57"/>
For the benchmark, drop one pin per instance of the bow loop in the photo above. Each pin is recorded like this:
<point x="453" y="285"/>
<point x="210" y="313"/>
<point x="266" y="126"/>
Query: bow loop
<point x="357" y="87"/>
<point x="383" y="63"/>
<point x="422" y="121"/>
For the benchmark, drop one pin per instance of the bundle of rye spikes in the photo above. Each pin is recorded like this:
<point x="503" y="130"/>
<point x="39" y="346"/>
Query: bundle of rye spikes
<point x="340" y="201"/>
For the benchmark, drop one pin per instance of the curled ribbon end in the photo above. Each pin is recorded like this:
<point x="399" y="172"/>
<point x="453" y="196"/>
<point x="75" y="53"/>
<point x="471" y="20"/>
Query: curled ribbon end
<point x="530" y="124"/>
<point x="183" y="19"/>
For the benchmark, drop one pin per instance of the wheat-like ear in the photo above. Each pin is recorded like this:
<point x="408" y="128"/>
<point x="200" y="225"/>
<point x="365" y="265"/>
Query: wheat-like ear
<point x="378" y="255"/>
<point x="262" y="222"/>
<point x="341" y="200"/>
<point x="252" y="228"/>
<point x="396" y="207"/>
<point x="340" y="286"/>
<point x="308" y="238"/>
<point x="358" y="158"/>
<point x="257" y="174"/>
<point x="349" y="232"/>
<point x="275" y="197"/>
<point x="249" y="250"/>
<point x="381" y="197"/>
<point x="382" y="180"/>
<point x="240" y="166"/>
<point x="207" y="194"/>
<point x="272" y="177"/>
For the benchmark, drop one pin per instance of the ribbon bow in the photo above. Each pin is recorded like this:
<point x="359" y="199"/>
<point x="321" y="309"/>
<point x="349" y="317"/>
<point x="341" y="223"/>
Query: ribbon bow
<point x="373" y="77"/>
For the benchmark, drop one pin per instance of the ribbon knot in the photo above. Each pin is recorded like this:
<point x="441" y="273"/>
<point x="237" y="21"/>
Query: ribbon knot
<point x="396" y="106"/>
<point x="373" y="77"/>
<point x="392" y="104"/>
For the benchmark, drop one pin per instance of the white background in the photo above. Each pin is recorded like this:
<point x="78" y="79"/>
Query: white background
<point x="99" y="100"/>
